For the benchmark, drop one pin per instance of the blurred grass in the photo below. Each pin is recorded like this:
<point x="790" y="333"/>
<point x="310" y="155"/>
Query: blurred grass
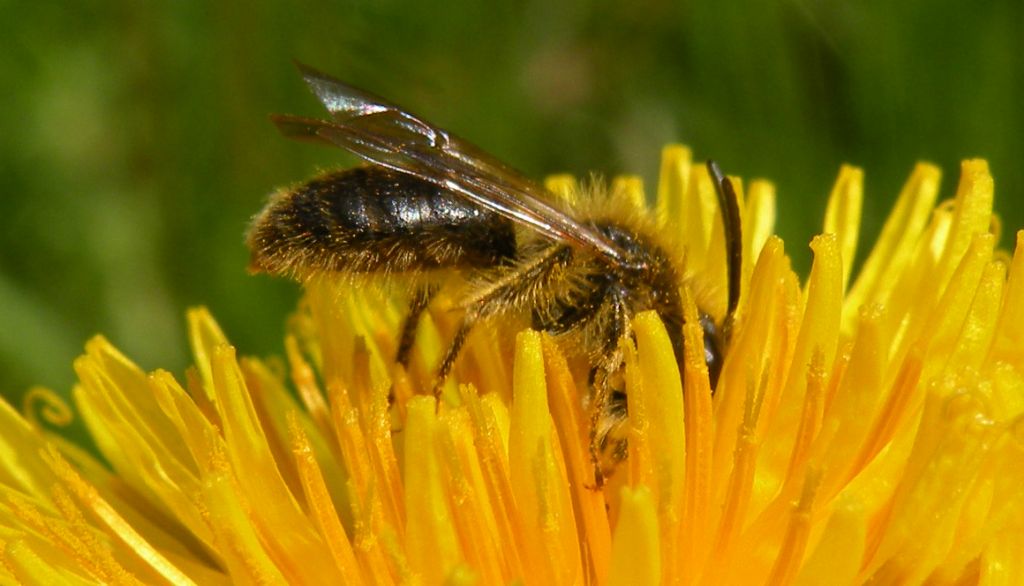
<point x="135" y="141"/>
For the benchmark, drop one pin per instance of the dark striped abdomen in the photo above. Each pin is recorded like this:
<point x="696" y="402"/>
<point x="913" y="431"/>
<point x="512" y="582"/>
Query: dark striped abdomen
<point x="370" y="219"/>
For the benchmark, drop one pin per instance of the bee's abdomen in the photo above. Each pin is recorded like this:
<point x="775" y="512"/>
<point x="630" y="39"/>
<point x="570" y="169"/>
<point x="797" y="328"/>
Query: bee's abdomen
<point x="370" y="219"/>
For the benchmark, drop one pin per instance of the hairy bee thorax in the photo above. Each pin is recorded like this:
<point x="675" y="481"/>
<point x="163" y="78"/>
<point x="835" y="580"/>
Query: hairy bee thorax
<point x="591" y="301"/>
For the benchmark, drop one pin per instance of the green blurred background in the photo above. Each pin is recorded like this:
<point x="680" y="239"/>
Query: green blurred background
<point x="135" y="143"/>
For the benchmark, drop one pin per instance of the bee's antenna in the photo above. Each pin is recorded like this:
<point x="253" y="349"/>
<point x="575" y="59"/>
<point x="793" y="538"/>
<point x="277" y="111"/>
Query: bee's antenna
<point x="730" y="206"/>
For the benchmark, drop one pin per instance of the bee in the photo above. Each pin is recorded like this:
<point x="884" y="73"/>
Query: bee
<point x="429" y="201"/>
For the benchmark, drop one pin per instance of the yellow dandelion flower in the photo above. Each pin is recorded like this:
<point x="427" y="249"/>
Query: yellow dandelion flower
<point x="865" y="428"/>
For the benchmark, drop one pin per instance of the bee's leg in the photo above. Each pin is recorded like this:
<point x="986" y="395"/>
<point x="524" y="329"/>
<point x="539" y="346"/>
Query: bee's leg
<point x="497" y="296"/>
<point x="417" y="305"/>
<point x="453" y="352"/>
<point x="598" y="406"/>
<point x="604" y="387"/>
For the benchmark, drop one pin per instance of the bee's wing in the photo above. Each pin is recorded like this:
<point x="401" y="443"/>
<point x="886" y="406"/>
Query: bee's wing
<point x="387" y="135"/>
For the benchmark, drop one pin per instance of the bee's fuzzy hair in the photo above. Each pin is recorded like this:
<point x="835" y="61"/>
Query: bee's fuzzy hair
<point x="595" y="200"/>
